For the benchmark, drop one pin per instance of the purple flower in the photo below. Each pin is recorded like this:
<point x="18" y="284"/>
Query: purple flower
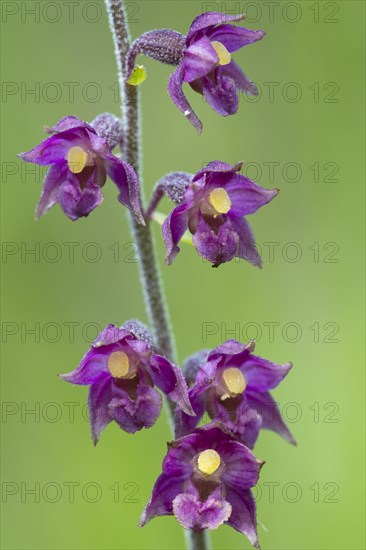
<point x="80" y="160"/>
<point x="232" y="385"/>
<point x="212" y="209"/>
<point x="122" y="369"/>
<point x="206" y="481"/>
<point x="204" y="61"/>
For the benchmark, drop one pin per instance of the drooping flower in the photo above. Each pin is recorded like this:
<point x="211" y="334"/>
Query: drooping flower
<point x="204" y="61"/>
<point x="211" y="206"/>
<point x="122" y="371"/>
<point x="206" y="482"/>
<point x="232" y="386"/>
<point x="79" y="159"/>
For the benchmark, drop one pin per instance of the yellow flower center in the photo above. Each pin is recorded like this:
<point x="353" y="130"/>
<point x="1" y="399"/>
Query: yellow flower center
<point x="234" y="380"/>
<point x="119" y="364"/>
<point x="220" y="200"/>
<point x="208" y="462"/>
<point x="223" y="55"/>
<point x="77" y="159"/>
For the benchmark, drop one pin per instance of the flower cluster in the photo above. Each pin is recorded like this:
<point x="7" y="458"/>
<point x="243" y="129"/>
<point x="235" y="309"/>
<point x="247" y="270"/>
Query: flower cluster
<point x="209" y="470"/>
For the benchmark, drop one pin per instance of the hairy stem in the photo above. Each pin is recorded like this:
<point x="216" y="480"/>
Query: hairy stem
<point x="149" y="271"/>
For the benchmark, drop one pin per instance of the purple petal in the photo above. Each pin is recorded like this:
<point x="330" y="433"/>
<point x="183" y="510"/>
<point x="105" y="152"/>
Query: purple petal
<point x="246" y="196"/>
<point x="78" y="201"/>
<point x="184" y="423"/>
<point x="52" y="150"/>
<point x="199" y="59"/>
<point x="134" y="414"/>
<point x="192" y="513"/>
<point x="124" y="176"/>
<point x="242" y="81"/>
<point x="247" y="248"/>
<point x="178" y="97"/>
<point x="173" y="229"/>
<point x="110" y="335"/>
<point x="171" y="381"/>
<point x="221" y="95"/>
<point x="263" y="375"/>
<point x="68" y="123"/>
<point x="217" y="166"/>
<point x="234" y="38"/>
<point x="243" y="517"/>
<point x="92" y="367"/>
<point x="161" y="501"/>
<point x="100" y="395"/>
<point x="267" y="407"/>
<point x="230" y="347"/>
<point x="55" y="176"/>
<point x="209" y="19"/>
<point x="242" y="421"/>
<point x="206" y="375"/>
<point x="242" y="467"/>
<point x="218" y="247"/>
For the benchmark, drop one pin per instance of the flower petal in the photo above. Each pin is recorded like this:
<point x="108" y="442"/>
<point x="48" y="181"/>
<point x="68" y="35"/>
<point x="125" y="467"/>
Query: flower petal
<point x="68" y="123"/>
<point x="242" y="81"/>
<point x="54" y="178"/>
<point x="78" y="201"/>
<point x="211" y="18"/>
<point x="110" y="335"/>
<point x="267" y="407"/>
<point x="242" y="421"/>
<point x="100" y="395"/>
<point x="161" y="501"/>
<point x="52" y="150"/>
<point x="124" y="176"/>
<point x="219" y="247"/>
<point x="217" y="166"/>
<point x="92" y="367"/>
<point x="169" y="378"/>
<point x="134" y="414"/>
<point x="263" y="375"/>
<point x="178" y="97"/>
<point x="184" y="423"/>
<point x="242" y="466"/>
<point x="234" y="38"/>
<point x="246" y="196"/>
<point x="243" y="517"/>
<point x="199" y="59"/>
<point x="192" y="513"/>
<point x="173" y="229"/>
<point x="247" y="248"/>
<point x="221" y="95"/>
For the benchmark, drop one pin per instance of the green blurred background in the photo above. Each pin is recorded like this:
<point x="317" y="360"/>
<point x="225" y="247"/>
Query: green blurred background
<point x="310" y="292"/>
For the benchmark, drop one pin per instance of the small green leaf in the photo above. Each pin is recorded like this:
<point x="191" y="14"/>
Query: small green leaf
<point x="138" y="76"/>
